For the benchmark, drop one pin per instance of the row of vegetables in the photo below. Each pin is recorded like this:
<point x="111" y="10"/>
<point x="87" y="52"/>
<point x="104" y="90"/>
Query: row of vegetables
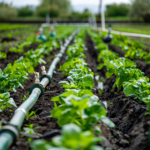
<point x="6" y="26"/>
<point x="77" y="110"/>
<point x="128" y="76"/>
<point x="132" y="49"/>
<point x="32" y="39"/>
<point x="13" y="76"/>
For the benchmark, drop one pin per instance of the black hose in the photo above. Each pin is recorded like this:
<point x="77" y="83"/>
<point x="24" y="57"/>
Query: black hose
<point x="51" y="134"/>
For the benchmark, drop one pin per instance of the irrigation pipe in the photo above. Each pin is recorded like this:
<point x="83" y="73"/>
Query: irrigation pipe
<point x="125" y="33"/>
<point x="10" y="133"/>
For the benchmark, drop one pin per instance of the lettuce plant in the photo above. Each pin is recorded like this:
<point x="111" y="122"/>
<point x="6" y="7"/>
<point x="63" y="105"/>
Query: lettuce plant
<point x="36" y="57"/>
<point x="84" y="110"/>
<point x="72" y="138"/>
<point x="13" y="76"/>
<point x="6" y="101"/>
<point x="3" y="55"/>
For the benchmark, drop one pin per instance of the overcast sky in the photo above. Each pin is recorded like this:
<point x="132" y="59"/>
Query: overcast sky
<point x="78" y="5"/>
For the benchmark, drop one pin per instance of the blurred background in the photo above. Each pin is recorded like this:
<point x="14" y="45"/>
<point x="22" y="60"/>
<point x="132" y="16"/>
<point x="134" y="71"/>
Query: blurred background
<point x="75" y="10"/>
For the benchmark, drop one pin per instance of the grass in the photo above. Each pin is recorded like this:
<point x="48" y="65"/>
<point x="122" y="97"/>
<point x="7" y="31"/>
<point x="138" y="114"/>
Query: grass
<point x="133" y="28"/>
<point x="122" y="18"/>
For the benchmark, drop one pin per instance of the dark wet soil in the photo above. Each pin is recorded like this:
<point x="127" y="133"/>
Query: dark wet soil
<point x="42" y="107"/>
<point x="7" y="39"/>
<point x="132" y="125"/>
<point x="12" y="56"/>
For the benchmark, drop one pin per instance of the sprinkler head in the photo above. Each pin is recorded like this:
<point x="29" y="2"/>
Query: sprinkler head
<point x="109" y="37"/>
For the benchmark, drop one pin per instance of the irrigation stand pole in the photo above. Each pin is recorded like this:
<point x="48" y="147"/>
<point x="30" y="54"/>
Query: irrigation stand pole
<point x="103" y="16"/>
<point x="102" y="12"/>
<point x="10" y="133"/>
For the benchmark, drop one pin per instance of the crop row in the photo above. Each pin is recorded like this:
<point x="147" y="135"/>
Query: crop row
<point x="79" y="110"/>
<point x="132" y="49"/>
<point x="13" y="76"/>
<point x="5" y="27"/>
<point x="132" y="80"/>
<point x="32" y="39"/>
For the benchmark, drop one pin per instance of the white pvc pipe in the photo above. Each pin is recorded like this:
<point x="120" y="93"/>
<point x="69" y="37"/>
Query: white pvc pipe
<point x="103" y="18"/>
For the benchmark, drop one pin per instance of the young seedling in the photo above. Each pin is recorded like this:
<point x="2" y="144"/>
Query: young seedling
<point x="25" y="97"/>
<point x="31" y="115"/>
<point x="30" y="130"/>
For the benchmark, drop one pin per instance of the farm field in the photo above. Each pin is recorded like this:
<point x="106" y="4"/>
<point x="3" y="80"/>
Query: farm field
<point x="132" y="28"/>
<point x="88" y="96"/>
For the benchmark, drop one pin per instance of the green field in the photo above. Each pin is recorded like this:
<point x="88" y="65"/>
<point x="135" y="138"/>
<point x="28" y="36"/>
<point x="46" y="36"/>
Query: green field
<point x="133" y="28"/>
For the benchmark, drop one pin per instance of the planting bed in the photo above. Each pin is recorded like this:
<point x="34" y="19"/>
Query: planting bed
<point x="132" y="125"/>
<point x="43" y="105"/>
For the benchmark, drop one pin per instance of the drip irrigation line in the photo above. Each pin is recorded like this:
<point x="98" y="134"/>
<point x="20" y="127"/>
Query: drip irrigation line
<point x="10" y="133"/>
<point x="51" y="94"/>
<point x="56" y="80"/>
<point x="126" y="33"/>
<point x="48" y="134"/>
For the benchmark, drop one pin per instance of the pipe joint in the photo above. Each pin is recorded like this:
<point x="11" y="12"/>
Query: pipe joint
<point x="46" y="76"/>
<point x="39" y="86"/>
<point x="12" y="130"/>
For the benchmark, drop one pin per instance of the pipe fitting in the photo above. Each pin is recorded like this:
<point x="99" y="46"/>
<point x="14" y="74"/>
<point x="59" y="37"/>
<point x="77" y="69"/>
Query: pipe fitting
<point x="11" y="130"/>
<point x="43" y="70"/>
<point x="48" y="77"/>
<point x="37" y="80"/>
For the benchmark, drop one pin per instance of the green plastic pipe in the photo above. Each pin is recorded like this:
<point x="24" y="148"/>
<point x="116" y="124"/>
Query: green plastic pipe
<point x="21" y="112"/>
<point x="9" y="133"/>
<point x="5" y="140"/>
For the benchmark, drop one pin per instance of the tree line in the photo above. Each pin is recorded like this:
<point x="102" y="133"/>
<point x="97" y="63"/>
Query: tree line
<point x="63" y="9"/>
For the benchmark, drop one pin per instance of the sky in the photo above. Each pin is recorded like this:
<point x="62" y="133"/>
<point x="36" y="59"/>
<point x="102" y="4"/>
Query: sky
<point x="78" y="5"/>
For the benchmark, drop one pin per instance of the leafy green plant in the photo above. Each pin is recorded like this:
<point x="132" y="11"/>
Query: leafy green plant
<point x="106" y="56"/>
<point x="3" y="55"/>
<point x="132" y="80"/>
<point x="124" y="69"/>
<point x="140" y="88"/>
<point x="13" y="76"/>
<point x="30" y="129"/>
<point x="36" y="57"/>
<point x="25" y="97"/>
<point x="31" y="115"/>
<point x="6" y="101"/>
<point x="84" y="110"/>
<point x="72" y="138"/>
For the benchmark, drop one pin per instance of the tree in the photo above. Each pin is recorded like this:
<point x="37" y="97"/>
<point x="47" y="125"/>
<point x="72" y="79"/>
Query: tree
<point x="140" y="9"/>
<point x="25" y="11"/>
<point x="114" y="10"/>
<point x="7" y="11"/>
<point x="54" y="7"/>
<point x="80" y="16"/>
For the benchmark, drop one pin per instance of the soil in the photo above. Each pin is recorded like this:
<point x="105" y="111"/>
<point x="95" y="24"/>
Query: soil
<point x="12" y="56"/>
<point x="132" y="125"/>
<point x="7" y="39"/>
<point x="43" y="106"/>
